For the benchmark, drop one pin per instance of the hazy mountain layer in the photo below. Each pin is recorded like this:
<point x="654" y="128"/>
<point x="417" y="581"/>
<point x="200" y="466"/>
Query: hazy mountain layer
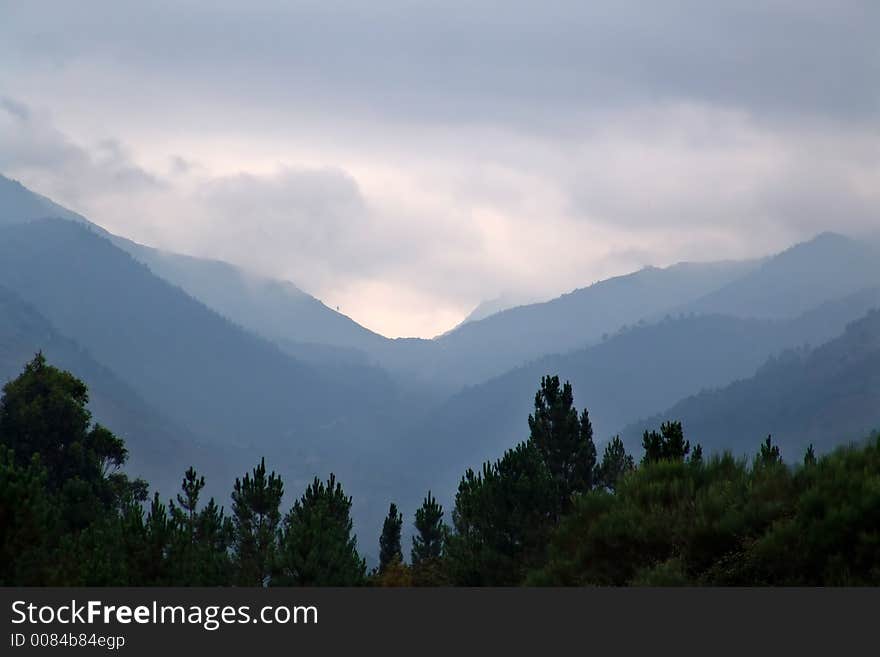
<point x="828" y="267"/>
<point x="825" y="396"/>
<point x="158" y="448"/>
<point x="478" y="350"/>
<point x="273" y="308"/>
<point x="629" y="375"/>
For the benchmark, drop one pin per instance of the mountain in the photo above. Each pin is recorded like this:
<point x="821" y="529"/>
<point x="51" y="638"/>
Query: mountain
<point x="172" y="349"/>
<point x="825" y="396"/>
<point x="217" y="381"/>
<point x="492" y="307"/>
<point x="18" y="203"/>
<point x="228" y="387"/>
<point x="827" y="267"/>
<point x="275" y="309"/>
<point x="481" y="349"/>
<point x="631" y="374"/>
<point x="240" y="362"/>
<point x="153" y="440"/>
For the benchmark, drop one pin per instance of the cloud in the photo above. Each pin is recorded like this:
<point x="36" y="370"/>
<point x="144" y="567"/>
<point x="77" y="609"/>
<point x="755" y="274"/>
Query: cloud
<point x="485" y="60"/>
<point x="407" y="160"/>
<point x="33" y="146"/>
<point x="310" y="225"/>
<point x="692" y="168"/>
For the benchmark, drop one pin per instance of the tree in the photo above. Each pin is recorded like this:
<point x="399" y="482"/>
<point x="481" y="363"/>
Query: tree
<point x="390" y="550"/>
<point x="769" y="455"/>
<point x="318" y="546"/>
<point x="669" y="444"/>
<point x="256" y="517"/>
<point x="397" y="574"/>
<point x="810" y="456"/>
<point x="44" y="411"/>
<point x="502" y="518"/>
<point x="564" y="441"/>
<point x="200" y="539"/>
<point x="188" y="502"/>
<point x="46" y="427"/>
<point x="429" y="543"/>
<point x="697" y="454"/>
<point x="615" y="464"/>
<point x="27" y="522"/>
<point x="158" y="531"/>
<point x="214" y="532"/>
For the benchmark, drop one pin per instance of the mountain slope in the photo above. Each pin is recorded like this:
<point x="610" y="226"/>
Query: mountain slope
<point x="18" y="204"/>
<point x="785" y="285"/>
<point x="230" y="388"/>
<point x="203" y="371"/>
<point x="275" y="309"/>
<point x="827" y="267"/>
<point x="153" y="441"/>
<point x="478" y="350"/>
<point x="628" y="376"/>
<point x="825" y="396"/>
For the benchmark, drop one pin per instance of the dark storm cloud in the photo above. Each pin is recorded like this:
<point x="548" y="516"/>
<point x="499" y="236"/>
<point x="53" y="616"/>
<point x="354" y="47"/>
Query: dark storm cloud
<point x="521" y="61"/>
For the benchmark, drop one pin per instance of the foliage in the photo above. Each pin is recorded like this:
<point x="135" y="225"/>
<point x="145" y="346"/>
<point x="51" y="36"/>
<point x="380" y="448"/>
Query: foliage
<point x="502" y="519"/>
<point x="669" y="444"/>
<point x="390" y="550"/>
<point x="28" y="521"/>
<point x="564" y="441"/>
<point x="318" y="547"/>
<point x="545" y="513"/>
<point x="616" y="463"/>
<point x="724" y="522"/>
<point x="429" y="543"/>
<point x="256" y="500"/>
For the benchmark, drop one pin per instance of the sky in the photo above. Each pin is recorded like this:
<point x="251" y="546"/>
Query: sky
<point x="406" y="160"/>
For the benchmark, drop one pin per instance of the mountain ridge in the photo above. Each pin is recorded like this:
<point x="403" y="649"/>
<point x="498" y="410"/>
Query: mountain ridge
<point x="823" y="396"/>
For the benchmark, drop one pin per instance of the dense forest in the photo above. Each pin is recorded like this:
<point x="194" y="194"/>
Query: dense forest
<point x="551" y="511"/>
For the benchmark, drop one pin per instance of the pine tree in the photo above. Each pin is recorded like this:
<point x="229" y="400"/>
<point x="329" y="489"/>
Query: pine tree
<point x="615" y="464"/>
<point x="502" y="518"/>
<point x="810" y="456"/>
<point x="256" y="518"/>
<point x="158" y="534"/>
<point x="318" y="546"/>
<point x="390" y="550"/>
<point x="200" y="539"/>
<point x="429" y="540"/>
<point x="429" y="543"/>
<point x="769" y="455"/>
<point x="564" y="441"/>
<point x="188" y="503"/>
<point x="668" y="445"/>
<point x="697" y="455"/>
<point x="214" y="532"/>
<point x="28" y="522"/>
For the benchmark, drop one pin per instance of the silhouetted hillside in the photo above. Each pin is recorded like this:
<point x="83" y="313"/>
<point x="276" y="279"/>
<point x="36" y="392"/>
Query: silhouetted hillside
<point x="627" y="376"/>
<point x="272" y="308"/>
<point x="275" y="309"/>
<point x="825" y="396"/>
<point x="478" y="350"/>
<point x="18" y="204"/>
<point x="827" y="267"/>
<point x="153" y="440"/>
